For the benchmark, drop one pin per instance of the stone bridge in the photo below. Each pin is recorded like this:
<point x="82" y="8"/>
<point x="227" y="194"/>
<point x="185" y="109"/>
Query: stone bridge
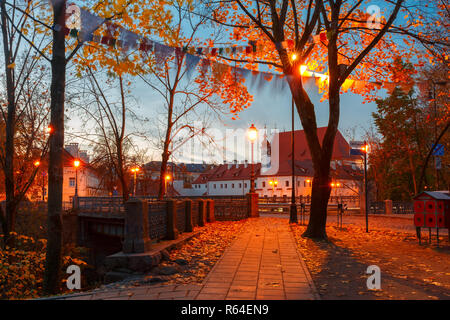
<point x="108" y="220"/>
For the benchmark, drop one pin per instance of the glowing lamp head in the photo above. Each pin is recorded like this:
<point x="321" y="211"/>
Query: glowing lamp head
<point x="308" y="181"/>
<point x="37" y="163"/>
<point x="49" y="129"/>
<point x="271" y="182"/>
<point x="332" y="184"/>
<point x="365" y="148"/>
<point x="275" y="182"/>
<point x="252" y="133"/>
<point x="76" y="163"/>
<point x="294" y="57"/>
<point x="135" y="169"/>
<point x="168" y="177"/>
<point x="338" y="184"/>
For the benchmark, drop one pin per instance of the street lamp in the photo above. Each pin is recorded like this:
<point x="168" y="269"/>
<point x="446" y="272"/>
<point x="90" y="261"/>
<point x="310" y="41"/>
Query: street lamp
<point x="37" y="163"/>
<point x="135" y="171"/>
<point x="252" y="136"/>
<point x="76" y="164"/>
<point x="273" y="183"/>
<point x="293" y="208"/>
<point x="365" y="149"/>
<point x="167" y="178"/>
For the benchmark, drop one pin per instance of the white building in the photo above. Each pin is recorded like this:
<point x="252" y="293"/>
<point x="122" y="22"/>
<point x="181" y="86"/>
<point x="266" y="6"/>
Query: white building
<point x="274" y="176"/>
<point x="232" y="179"/>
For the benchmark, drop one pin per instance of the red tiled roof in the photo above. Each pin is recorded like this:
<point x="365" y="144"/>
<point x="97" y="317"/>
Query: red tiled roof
<point x="341" y="149"/>
<point x="222" y="173"/>
<point x="305" y="168"/>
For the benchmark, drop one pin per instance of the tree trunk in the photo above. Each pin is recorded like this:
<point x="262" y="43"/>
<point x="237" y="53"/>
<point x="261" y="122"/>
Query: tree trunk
<point x="11" y="206"/>
<point x="55" y="167"/>
<point x="121" y="173"/>
<point x="165" y="154"/>
<point x="320" y="193"/>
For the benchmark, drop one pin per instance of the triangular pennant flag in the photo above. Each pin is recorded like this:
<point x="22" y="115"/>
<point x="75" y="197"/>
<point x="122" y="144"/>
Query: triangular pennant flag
<point x="89" y="23"/>
<point x="191" y="63"/>
<point x="204" y="65"/>
<point x="162" y="52"/>
<point x="105" y="40"/>
<point x="129" y="40"/>
<point x="219" y="70"/>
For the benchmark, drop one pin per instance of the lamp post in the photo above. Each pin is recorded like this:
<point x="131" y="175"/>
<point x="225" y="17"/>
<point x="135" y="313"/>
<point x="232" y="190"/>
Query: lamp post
<point x="365" y="149"/>
<point x="76" y="164"/>
<point x="273" y="183"/>
<point x="166" y="180"/>
<point x="37" y="163"/>
<point x="135" y="171"/>
<point x="252" y="136"/>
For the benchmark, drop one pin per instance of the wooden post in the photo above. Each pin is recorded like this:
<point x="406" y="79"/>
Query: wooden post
<point x="252" y="205"/>
<point x="387" y="207"/>
<point x="136" y="238"/>
<point x="210" y="210"/>
<point x="172" y="232"/>
<point x="188" y="215"/>
<point x="201" y="212"/>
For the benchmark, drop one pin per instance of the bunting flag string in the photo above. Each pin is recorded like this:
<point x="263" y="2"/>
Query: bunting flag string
<point x="121" y="38"/>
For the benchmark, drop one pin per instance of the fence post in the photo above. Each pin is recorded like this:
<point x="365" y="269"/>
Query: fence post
<point x="172" y="232"/>
<point x="188" y="214"/>
<point x="136" y="238"/>
<point x="388" y="206"/>
<point x="252" y="205"/>
<point x="201" y="212"/>
<point x="210" y="210"/>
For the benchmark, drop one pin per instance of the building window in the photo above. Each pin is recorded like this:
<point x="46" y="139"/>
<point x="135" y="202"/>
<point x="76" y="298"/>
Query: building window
<point x="221" y="186"/>
<point x="225" y="185"/>
<point x="214" y="186"/>
<point x="298" y="183"/>
<point x="232" y="186"/>
<point x="287" y="183"/>
<point x="240" y="185"/>
<point x="264" y="184"/>
<point x="72" y="182"/>
<point x="245" y="185"/>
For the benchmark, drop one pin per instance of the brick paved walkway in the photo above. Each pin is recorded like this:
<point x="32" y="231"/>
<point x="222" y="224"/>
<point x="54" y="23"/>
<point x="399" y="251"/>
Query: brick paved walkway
<point x="262" y="263"/>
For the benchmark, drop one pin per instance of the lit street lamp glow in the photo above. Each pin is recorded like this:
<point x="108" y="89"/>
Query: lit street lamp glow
<point x="252" y="136"/>
<point x="135" y="170"/>
<point x="252" y="133"/>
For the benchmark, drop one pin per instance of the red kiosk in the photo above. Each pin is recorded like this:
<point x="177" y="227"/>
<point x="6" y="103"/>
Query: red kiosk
<point x="432" y="210"/>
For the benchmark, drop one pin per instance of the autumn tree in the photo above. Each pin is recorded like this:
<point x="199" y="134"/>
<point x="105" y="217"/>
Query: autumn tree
<point x="188" y="91"/>
<point x="24" y="108"/>
<point x="349" y="42"/>
<point x="106" y="101"/>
